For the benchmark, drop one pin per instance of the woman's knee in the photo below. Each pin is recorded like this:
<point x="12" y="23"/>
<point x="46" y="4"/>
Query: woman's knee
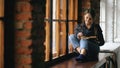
<point x="84" y="42"/>
<point x="71" y="36"/>
<point x="73" y="41"/>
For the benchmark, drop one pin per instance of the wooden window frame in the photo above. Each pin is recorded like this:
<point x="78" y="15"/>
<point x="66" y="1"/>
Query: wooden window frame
<point x="1" y="33"/>
<point x="66" y="21"/>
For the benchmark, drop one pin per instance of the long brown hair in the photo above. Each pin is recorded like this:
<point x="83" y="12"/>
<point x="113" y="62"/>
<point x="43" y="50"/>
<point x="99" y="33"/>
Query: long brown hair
<point x="90" y="11"/>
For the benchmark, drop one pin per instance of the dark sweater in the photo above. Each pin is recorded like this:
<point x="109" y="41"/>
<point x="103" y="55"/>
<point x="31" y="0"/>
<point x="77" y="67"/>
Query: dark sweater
<point x="95" y="30"/>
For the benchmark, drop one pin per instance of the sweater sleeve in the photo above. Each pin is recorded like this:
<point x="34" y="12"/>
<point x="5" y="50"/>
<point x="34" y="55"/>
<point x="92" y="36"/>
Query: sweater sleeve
<point x="77" y="30"/>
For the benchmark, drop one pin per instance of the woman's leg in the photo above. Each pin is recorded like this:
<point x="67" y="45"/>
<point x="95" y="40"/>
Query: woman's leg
<point x="84" y="46"/>
<point x="75" y="42"/>
<point x="89" y="48"/>
<point x="93" y="51"/>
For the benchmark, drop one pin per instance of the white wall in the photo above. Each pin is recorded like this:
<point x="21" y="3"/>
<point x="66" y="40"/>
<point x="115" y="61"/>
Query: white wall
<point x="117" y="35"/>
<point x="110" y="20"/>
<point x="110" y="23"/>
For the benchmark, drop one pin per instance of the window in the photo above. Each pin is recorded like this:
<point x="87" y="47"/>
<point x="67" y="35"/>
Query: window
<point x="61" y="17"/>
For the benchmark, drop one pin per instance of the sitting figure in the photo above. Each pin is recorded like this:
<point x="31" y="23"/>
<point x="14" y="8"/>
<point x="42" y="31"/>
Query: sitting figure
<point x="87" y="38"/>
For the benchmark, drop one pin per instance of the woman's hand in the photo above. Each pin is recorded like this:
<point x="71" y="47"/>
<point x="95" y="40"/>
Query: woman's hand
<point x="79" y="35"/>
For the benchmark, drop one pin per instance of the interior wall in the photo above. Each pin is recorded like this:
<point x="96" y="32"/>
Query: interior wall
<point x="112" y="24"/>
<point x="38" y="33"/>
<point x="116" y="21"/>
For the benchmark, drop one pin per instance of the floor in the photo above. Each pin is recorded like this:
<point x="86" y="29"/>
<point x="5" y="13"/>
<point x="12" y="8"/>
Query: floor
<point x="71" y="63"/>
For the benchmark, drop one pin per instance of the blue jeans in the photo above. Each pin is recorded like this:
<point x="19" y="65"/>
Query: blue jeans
<point x="91" y="47"/>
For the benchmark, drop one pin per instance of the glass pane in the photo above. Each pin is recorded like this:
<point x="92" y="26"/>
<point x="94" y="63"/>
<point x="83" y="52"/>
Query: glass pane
<point x="73" y="14"/>
<point x="59" y="28"/>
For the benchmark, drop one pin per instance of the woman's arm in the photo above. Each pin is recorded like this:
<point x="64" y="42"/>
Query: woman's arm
<point x="78" y="31"/>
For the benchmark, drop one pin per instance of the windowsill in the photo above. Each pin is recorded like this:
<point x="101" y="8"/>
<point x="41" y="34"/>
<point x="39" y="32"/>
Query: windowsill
<point x="115" y="47"/>
<point x="117" y="40"/>
<point x="110" y="46"/>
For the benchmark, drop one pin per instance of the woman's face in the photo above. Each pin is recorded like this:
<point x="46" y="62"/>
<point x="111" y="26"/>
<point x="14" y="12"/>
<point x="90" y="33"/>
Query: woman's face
<point x="88" y="19"/>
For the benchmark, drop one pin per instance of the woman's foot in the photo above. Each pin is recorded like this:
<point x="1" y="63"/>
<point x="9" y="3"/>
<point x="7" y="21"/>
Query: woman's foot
<point x="81" y="58"/>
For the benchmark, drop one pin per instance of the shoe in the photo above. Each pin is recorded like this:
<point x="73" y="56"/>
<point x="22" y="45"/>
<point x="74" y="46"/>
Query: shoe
<point x="81" y="58"/>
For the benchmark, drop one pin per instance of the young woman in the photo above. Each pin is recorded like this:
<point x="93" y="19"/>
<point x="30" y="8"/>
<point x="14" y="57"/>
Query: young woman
<point x="87" y="38"/>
